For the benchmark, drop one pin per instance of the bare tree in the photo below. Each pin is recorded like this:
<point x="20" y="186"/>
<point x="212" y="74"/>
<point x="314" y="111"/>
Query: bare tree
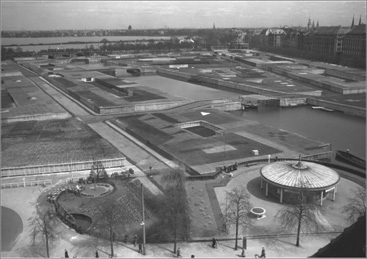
<point x="237" y="209"/>
<point x="300" y="214"/>
<point x="108" y="220"/>
<point x="356" y="206"/>
<point x="97" y="171"/>
<point x="44" y="225"/>
<point x="175" y="209"/>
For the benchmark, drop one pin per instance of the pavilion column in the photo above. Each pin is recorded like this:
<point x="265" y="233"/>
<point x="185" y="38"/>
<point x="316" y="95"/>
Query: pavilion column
<point x="266" y="189"/>
<point x="281" y="195"/>
<point x="336" y="188"/>
<point x="334" y="192"/>
<point x="261" y="183"/>
<point x="321" y="197"/>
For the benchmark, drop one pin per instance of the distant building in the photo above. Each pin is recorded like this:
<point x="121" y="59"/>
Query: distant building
<point x="354" y="42"/>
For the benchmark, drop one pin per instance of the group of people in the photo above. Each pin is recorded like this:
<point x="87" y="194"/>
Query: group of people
<point x="229" y="169"/>
<point x="67" y="254"/>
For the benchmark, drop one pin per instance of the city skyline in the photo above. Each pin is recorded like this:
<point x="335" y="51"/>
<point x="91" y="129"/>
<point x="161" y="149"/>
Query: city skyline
<point x="89" y="15"/>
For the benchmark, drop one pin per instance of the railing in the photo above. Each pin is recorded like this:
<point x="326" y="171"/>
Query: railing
<point x="57" y="168"/>
<point x="25" y="184"/>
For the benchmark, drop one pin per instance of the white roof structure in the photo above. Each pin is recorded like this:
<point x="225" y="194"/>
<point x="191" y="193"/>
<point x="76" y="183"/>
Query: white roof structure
<point x="297" y="175"/>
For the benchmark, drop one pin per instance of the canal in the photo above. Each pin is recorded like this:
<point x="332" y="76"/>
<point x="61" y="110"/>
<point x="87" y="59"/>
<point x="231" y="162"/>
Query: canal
<point x="342" y="131"/>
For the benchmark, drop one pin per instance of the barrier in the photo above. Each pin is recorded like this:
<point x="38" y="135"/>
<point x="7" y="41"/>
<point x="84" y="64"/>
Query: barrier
<point x="25" y="184"/>
<point x="58" y="168"/>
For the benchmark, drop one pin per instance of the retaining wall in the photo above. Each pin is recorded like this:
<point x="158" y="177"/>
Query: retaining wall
<point x="345" y="75"/>
<point x="38" y="117"/>
<point x="350" y="110"/>
<point x="58" y="168"/>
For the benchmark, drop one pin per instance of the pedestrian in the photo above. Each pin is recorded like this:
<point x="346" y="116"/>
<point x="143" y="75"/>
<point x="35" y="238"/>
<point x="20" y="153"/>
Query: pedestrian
<point x="66" y="254"/>
<point x="243" y="253"/>
<point x="178" y="252"/>
<point x="135" y="240"/>
<point x="140" y="248"/>
<point x="97" y="256"/>
<point x="126" y="238"/>
<point x="262" y="253"/>
<point x="214" y="243"/>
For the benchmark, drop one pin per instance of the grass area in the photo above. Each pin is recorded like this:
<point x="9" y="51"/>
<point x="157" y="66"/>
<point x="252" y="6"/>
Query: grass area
<point x="55" y="141"/>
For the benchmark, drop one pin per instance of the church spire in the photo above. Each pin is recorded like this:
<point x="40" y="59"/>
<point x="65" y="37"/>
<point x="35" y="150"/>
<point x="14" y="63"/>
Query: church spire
<point x="360" y="20"/>
<point x="317" y="25"/>
<point x="313" y="24"/>
<point x="309" y="24"/>
<point x="213" y="26"/>
<point x="353" y="22"/>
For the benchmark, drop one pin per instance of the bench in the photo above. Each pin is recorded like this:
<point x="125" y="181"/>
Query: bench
<point x="248" y="164"/>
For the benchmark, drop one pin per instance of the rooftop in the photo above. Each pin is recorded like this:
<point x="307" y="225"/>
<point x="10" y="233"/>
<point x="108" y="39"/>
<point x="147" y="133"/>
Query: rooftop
<point x="297" y="175"/>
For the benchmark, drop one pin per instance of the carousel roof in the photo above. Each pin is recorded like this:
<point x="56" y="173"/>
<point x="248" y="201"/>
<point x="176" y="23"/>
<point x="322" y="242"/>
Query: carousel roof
<point x="297" y="174"/>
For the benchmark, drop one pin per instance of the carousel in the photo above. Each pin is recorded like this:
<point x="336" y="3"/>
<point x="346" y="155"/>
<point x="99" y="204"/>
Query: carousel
<point x="286" y="180"/>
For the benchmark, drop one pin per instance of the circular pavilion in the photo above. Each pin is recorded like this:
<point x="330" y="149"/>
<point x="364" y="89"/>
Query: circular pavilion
<point x="287" y="179"/>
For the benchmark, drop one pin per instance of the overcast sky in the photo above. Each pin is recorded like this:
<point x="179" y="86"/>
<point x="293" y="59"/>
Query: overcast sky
<point x="51" y="15"/>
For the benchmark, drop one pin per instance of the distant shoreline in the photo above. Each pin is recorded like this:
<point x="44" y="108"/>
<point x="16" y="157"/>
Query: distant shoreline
<point x="79" y="42"/>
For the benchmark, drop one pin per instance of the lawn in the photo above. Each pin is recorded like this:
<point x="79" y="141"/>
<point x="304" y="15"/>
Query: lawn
<point x="52" y="142"/>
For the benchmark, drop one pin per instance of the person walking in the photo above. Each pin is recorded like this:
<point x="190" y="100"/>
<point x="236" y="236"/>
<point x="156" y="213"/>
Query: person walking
<point x="97" y="255"/>
<point x="263" y="253"/>
<point x="66" y="254"/>
<point x="243" y="253"/>
<point x="140" y="248"/>
<point x="214" y="243"/>
<point x="135" y="241"/>
<point x="178" y="252"/>
<point x="126" y="238"/>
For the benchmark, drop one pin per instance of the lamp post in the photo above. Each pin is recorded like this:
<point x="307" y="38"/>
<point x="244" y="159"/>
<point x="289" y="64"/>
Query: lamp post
<point x="143" y="216"/>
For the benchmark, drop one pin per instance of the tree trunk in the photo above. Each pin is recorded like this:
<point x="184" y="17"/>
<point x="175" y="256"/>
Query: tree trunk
<point x="111" y="239"/>
<point x="299" y="227"/>
<point x="47" y="249"/>
<point x="237" y="218"/>
<point x="46" y="236"/>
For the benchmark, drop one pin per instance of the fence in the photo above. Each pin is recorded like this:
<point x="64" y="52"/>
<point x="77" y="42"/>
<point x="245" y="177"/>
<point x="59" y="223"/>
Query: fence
<point x="58" y="168"/>
<point x="25" y="184"/>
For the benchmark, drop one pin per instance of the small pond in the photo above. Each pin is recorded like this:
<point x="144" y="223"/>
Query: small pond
<point x="11" y="227"/>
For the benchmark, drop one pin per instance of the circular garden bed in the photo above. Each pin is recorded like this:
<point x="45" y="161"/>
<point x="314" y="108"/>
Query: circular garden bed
<point x="98" y="190"/>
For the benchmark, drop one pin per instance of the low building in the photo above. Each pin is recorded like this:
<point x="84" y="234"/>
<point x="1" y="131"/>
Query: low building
<point x="288" y="179"/>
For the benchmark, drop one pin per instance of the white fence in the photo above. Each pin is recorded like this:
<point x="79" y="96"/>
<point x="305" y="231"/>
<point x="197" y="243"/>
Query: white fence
<point x="25" y="184"/>
<point x="62" y="167"/>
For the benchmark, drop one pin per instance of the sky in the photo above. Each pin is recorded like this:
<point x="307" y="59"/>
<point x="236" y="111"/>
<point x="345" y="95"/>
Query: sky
<point x="61" y="15"/>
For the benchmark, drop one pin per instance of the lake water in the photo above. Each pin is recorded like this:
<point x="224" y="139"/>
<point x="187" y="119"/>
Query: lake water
<point x="11" y="227"/>
<point x="27" y="41"/>
<point x="342" y="131"/>
<point x="50" y="40"/>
